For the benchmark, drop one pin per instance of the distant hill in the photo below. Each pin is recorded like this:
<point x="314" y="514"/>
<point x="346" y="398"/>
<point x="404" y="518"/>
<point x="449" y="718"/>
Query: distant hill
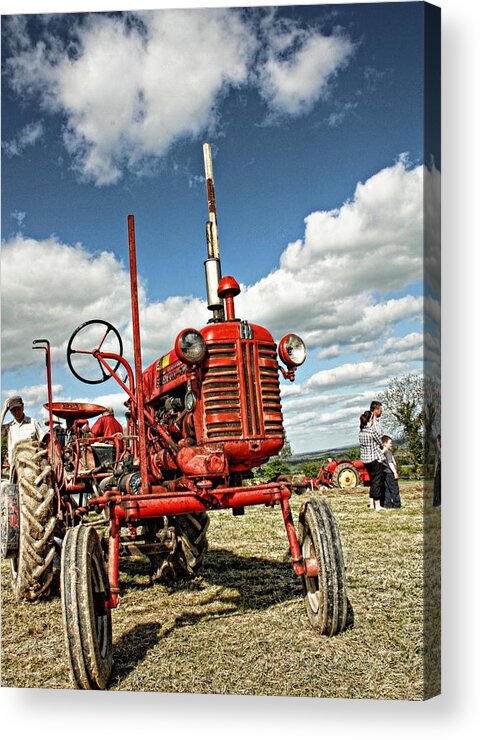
<point x="335" y="452"/>
<point x="317" y="455"/>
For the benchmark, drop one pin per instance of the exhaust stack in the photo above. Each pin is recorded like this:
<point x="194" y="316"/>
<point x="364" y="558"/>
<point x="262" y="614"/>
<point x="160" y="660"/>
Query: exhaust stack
<point x="213" y="268"/>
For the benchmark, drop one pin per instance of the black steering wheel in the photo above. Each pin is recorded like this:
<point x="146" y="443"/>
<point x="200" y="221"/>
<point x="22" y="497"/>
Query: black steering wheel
<point x="108" y="338"/>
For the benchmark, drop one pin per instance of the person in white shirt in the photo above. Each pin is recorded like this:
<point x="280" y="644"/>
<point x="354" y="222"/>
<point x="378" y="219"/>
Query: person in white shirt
<point x="376" y="410"/>
<point x="21" y="427"/>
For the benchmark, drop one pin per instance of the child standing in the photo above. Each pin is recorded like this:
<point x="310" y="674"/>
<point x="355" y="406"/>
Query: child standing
<point x="392" y="490"/>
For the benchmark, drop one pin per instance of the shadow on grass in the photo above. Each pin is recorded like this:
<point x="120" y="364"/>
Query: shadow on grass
<point x="131" y="649"/>
<point x="241" y="584"/>
<point x="260" y="582"/>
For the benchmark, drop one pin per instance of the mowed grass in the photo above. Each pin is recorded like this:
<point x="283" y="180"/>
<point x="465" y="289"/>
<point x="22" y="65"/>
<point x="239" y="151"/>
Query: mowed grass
<point x="240" y="626"/>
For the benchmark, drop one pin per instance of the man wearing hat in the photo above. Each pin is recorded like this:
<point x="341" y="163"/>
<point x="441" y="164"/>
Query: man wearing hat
<point x="107" y="425"/>
<point x="21" y="427"/>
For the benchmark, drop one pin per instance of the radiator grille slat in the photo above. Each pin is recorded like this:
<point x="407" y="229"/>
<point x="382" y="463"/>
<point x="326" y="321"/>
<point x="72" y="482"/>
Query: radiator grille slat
<point x="255" y="369"/>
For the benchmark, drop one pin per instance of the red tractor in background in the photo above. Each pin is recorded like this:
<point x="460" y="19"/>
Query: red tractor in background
<point x="341" y="474"/>
<point x="199" y="419"/>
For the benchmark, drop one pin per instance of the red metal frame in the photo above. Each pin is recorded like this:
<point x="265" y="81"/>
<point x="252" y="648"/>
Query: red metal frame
<point x="131" y="509"/>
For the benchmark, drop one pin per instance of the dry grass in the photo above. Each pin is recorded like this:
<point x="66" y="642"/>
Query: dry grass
<point x="240" y="626"/>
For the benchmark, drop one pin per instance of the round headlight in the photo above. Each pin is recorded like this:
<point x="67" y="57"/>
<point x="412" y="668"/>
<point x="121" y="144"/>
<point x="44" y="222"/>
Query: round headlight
<point x="190" y="346"/>
<point x="292" y="350"/>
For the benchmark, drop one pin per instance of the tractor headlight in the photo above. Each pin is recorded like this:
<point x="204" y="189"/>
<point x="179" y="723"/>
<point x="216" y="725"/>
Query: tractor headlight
<point x="190" y="346"/>
<point x="292" y="350"/>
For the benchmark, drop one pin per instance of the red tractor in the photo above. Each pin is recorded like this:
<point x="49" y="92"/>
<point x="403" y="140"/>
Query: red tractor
<point x="342" y="474"/>
<point x="200" y="418"/>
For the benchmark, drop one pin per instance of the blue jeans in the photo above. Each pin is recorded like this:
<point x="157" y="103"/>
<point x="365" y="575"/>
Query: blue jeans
<point x="392" y="492"/>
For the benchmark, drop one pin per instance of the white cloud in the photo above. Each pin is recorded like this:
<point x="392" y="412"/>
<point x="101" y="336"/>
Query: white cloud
<point x="329" y="285"/>
<point x="33" y="395"/>
<point x="130" y="86"/>
<point x="312" y="292"/>
<point x="409" y="342"/>
<point x="49" y="288"/>
<point x="27" y="136"/>
<point x="299" y="67"/>
<point x="346" y="375"/>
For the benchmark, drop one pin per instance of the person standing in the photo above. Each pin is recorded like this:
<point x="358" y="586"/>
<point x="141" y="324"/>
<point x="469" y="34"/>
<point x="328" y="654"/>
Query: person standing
<point x="21" y="427"/>
<point x="371" y="454"/>
<point x="376" y="410"/>
<point x="392" y="490"/>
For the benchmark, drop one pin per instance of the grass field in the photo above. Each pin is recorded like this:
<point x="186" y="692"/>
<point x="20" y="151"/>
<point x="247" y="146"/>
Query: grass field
<point x="240" y="626"/>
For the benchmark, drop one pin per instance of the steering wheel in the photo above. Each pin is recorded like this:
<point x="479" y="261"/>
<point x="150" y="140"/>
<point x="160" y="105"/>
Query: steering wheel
<point x="103" y="331"/>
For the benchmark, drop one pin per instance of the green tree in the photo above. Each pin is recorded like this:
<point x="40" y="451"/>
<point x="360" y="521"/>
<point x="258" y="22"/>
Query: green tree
<point x="286" y="450"/>
<point x="353" y="454"/>
<point x="270" y="470"/>
<point x="403" y="402"/>
<point x="310" y="469"/>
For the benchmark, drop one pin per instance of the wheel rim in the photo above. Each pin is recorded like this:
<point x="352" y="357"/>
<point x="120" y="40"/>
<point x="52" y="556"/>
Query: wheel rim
<point x="311" y="582"/>
<point x="347" y="479"/>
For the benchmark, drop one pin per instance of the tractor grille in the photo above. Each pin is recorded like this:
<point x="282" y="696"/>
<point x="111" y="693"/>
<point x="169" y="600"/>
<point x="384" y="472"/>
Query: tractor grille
<point x="242" y="369"/>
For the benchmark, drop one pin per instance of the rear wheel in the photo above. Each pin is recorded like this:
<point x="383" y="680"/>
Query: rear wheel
<point x="345" y="475"/>
<point x="87" y="621"/>
<point x="32" y="568"/>
<point x="190" y="546"/>
<point x="325" y="593"/>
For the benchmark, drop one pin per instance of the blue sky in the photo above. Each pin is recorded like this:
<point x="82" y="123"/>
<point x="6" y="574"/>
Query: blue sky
<point x="314" y="114"/>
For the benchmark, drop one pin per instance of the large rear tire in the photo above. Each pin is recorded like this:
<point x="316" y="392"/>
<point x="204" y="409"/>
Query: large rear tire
<point x="87" y="621"/>
<point x="32" y="569"/>
<point x="325" y="594"/>
<point x="345" y="475"/>
<point x="190" y="547"/>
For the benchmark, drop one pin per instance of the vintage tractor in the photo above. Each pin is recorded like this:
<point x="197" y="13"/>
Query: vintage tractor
<point x="200" y="418"/>
<point x="342" y="474"/>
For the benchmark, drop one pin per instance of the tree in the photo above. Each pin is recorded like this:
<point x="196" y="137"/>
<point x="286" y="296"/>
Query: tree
<point x="311" y="468"/>
<point x="353" y="454"/>
<point x="286" y="450"/>
<point x="403" y="402"/>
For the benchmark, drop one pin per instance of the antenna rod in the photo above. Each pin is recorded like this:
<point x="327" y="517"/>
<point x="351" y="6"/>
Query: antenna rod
<point x="213" y="268"/>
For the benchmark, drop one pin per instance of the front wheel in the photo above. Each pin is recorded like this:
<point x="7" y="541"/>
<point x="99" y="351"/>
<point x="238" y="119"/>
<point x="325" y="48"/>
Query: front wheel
<point x="87" y="619"/>
<point x="325" y="593"/>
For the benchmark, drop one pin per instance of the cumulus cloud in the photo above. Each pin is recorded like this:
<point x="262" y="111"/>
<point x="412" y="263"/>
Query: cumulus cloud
<point x="50" y="288"/>
<point x="346" y="375"/>
<point x="33" y="395"/>
<point x="332" y="285"/>
<point x="27" y="136"/>
<point x="333" y="300"/>
<point x="350" y="305"/>
<point x="299" y="66"/>
<point x="174" y="66"/>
